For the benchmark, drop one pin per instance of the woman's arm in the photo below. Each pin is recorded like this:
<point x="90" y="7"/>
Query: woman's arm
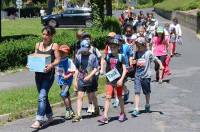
<point x="57" y="55"/>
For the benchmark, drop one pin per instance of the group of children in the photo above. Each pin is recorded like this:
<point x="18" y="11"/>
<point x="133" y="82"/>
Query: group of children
<point x="125" y="56"/>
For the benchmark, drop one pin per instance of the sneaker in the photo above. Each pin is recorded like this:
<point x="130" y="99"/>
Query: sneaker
<point x="116" y="103"/>
<point x="76" y="118"/>
<point x="160" y="81"/>
<point x="122" y="117"/>
<point x="69" y="114"/>
<point x="96" y="112"/>
<point x="147" y="108"/>
<point x="103" y="120"/>
<point x="90" y="108"/>
<point x="135" y="113"/>
<point x="126" y="96"/>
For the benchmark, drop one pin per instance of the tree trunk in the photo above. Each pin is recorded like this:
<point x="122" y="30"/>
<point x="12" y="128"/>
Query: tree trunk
<point x="51" y="5"/>
<point x="0" y="23"/>
<point x="109" y="7"/>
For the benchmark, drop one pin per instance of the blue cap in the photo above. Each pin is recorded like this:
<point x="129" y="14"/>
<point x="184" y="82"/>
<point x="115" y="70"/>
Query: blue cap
<point x="119" y="37"/>
<point x="85" y="45"/>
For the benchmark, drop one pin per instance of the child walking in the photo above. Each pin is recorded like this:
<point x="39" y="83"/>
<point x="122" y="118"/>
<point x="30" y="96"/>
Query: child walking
<point x="65" y="71"/>
<point x="85" y="79"/>
<point x="143" y="58"/>
<point x="115" y="63"/>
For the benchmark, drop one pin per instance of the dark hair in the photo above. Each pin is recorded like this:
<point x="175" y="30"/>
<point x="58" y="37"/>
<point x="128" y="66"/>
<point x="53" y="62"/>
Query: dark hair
<point x="175" y="19"/>
<point x="162" y="37"/>
<point x="50" y="30"/>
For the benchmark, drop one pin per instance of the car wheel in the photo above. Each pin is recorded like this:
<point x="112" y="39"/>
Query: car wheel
<point x="88" y="23"/>
<point x="52" y="23"/>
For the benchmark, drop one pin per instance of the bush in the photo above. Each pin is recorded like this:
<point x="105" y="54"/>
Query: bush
<point x="24" y="12"/>
<point x="13" y="52"/>
<point x="198" y="13"/>
<point x="112" y="24"/>
<point x="30" y="12"/>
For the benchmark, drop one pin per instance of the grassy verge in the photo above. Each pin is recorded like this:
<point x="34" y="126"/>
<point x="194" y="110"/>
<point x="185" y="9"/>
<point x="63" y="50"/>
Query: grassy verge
<point x="21" y="26"/>
<point x="171" y="5"/>
<point x="20" y="101"/>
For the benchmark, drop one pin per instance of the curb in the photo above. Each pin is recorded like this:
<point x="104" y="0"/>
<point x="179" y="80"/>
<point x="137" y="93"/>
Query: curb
<point x="7" y="117"/>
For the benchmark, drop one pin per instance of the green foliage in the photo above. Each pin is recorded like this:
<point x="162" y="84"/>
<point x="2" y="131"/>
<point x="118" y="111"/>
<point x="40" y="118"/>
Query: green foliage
<point x="198" y="13"/>
<point x="97" y="12"/>
<point x="119" y="6"/>
<point x="143" y="2"/>
<point x="112" y="24"/>
<point x="156" y="1"/>
<point x="14" y="50"/>
<point x="147" y="5"/>
<point x="171" y="5"/>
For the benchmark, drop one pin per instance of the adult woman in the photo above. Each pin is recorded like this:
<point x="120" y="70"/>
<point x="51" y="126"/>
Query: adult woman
<point x="45" y="80"/>
<point x="160" y="49"/>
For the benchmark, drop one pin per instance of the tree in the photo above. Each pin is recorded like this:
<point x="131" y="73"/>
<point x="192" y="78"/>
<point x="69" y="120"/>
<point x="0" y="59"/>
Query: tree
<point x="109" y="7"/>
<point x="97" y="12"/>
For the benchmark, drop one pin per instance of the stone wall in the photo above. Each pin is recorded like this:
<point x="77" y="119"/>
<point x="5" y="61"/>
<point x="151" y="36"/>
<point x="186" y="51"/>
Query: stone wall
<point x="188" y="20"/>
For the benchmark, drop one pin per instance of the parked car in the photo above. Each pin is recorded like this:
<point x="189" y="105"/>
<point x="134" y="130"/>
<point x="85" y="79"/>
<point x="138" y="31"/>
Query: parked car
<point x="69" y="17"/>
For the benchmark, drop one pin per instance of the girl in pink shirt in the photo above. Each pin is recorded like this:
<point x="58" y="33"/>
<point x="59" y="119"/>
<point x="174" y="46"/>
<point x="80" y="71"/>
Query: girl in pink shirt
<point x="160" y="49"/>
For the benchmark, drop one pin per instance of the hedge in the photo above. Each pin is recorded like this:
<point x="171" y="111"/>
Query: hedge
<point x="13" y="52"/>
<point x="24" y="12"/>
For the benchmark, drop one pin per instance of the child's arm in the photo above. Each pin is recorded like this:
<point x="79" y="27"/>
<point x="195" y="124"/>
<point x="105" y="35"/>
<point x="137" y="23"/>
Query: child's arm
<point x="88" y="77"/>
<point x="71" y="70"/>
<point x="103" y="62"/>
<point x="120" y="81"/>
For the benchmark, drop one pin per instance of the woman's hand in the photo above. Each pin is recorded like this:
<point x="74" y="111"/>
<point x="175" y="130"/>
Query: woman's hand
<point x="48" y="67"/>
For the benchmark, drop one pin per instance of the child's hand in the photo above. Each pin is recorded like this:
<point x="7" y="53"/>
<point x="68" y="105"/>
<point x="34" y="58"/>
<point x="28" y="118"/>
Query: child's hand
<point x="161" y="67"/>
<point x="101" y="72"/>
<point x="65" y="77"/>
<point x="87" y="78"/>
<point x="120" y="82"/>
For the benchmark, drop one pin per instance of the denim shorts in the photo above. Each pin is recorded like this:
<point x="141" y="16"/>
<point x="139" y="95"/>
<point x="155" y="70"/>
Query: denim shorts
<point x="64" y="91"/>
<point x="144" y="84"/>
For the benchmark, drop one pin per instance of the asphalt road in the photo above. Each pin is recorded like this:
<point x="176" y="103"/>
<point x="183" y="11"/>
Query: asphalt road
<point x="175" y="105"/>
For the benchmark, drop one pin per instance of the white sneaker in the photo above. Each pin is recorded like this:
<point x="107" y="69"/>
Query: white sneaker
<point x="90" y="108"/>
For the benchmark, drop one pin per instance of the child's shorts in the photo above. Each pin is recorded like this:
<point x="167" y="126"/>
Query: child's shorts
<point x="144" y="84"/>
<point x="89" y="88"/>
<point x="64" y="91"/>
<point x="110" y="89"/>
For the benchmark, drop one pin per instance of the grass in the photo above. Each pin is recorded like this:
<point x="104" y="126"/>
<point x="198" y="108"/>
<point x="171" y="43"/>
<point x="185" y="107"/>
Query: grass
<point x="21" y="26"/>
<point x="24" y="26"/>
<point x="171" y="5"/>
<point x="19" y="101"/>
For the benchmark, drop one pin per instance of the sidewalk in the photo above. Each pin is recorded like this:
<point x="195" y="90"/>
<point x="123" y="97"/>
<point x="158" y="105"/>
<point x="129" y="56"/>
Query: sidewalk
<point x="16" y="80"/>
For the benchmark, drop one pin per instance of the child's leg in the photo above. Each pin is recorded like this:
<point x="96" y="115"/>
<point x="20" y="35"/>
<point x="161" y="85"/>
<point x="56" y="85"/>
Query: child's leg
<point x="147" y="96"/>
<point x="138" y="87"/>
<point x="109" y="90"/>
<point x="121" y="101"/>
<point x="79" y="102"/>
<point x="137" y="100"/>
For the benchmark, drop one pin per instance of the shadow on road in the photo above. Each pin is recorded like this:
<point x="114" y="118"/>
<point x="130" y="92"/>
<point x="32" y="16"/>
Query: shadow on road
<point x="59" y="120"/>
<point x="151" y="111"/>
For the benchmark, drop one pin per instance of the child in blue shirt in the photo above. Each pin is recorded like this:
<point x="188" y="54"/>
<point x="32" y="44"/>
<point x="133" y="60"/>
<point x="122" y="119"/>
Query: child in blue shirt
<point x="64" y="72"/>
